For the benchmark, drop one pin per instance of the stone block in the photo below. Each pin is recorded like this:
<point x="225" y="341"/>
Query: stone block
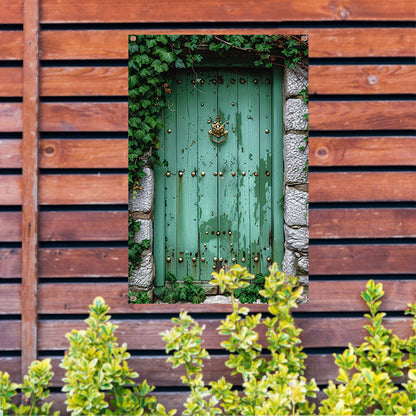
<point x="296" y="207"/>
<point x="296" y="239"/>
<point x="294" y="110"/>
<point x="294" y="81"/>
<point x="303" y="263"/>
<point x="294" y="158"/>
<point x="143" y="275"/>
<point x="145" y="232"/>
<point x="142" y="201"/>
<point x="289" y="263"/>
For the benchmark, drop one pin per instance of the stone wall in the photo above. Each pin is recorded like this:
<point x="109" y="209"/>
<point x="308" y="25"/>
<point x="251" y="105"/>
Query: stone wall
<point x="295" y="156"/>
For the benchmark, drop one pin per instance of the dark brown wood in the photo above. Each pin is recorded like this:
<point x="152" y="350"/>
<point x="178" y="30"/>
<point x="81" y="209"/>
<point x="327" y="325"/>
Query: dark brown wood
<point x="90" y="226"/>
<point x="325" y="296"/>
<point x="83" y="117"/>
<point x="69" y="262"/>
<point x="392" y="259"/>
<point x="30" y="208"/>
<point x="11" y="117"/>
<point x="144" y="334"/>
<point x="362" y="115"/>
<point x="84" y="153"/>
<point x="83" y="262"/>
<point x="68" y="189"/>
<point x="10" y="226"/>
<point x="334" y="42"/>
<point x="362" y="223"/>
<point x="362" y="186"/>
<point x="362" y="151"/>
<point x="362" y="79"/>
<point x="10" y="300"/>
<point x="10" y="262"/>
<point x="199" y="11"/>
<point x="13" y="340"/>
<point x="10" y="154"/>
<point x="11" y="82"/>
<point x="67" y="81"/>
<point x="59" y="226"/>
<point x="11" y="45"/>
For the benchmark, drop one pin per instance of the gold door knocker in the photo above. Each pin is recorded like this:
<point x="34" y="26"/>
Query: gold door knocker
<point x="218" y="130"/>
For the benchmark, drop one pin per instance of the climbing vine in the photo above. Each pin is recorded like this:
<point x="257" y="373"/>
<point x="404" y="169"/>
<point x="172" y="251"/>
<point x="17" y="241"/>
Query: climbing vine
<point x="151" y="57"/>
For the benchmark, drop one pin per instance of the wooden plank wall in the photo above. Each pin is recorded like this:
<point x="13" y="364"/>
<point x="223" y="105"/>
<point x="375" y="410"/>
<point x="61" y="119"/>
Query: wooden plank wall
<point x="362" y="175"/>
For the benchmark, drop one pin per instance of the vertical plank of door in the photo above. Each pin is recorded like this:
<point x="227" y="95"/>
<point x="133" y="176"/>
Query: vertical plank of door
<point x="159" y="236"/>
<point x="171" y="183"/>
<point x="265" y="165"/>
<point x="244" y="129"/>
<point x="207" y="162"/>
<point x="253" y="153"/>
<point x="227" y="163"/>
<point x="187" y="154"/>
<point x="277" y="167"/>
<point x="30" y="144"/>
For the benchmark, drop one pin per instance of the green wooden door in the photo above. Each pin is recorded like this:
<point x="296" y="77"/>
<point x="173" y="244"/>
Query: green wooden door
<point x="220" y="203"/>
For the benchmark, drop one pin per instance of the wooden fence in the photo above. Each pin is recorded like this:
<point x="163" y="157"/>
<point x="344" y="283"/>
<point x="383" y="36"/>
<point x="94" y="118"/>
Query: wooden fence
<point x="63" y="161"/>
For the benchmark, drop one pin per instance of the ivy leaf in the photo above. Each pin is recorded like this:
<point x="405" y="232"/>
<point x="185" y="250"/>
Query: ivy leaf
<point x="179" y="64"/>
<point x="166" y="56"/>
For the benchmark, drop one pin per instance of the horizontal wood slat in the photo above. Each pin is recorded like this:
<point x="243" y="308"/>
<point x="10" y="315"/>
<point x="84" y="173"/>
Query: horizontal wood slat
<point x="83" y="117"/>
<point x="69" y="153"/>
<point x="362" y="186"/>
<point x="199" y="11"/>
<point x="362" y="259"/>
<point x="11" y="45"/>
<point x="325" y="296"/>
<point x="362" y="79"/>
<point x="11" y="117"/>
<point x="10" y="299"/>
<point x="11" y="11"/>
<point x="144" y="334"/>
<point x="85" y="81"/>
<point x="362" y="151"/>
<point x="336" y="115"/>
<point x="107" y="81"/>
<point x="11" y="82"/>
<point x="362" y="115"/>
<point x="10" y="154"/>
<point x="69" y="262"/>
<point x="68" y="189"/>
<point x="112" y="44"/>
<point x="69" y="226"/>
<point x="158" y="372"/>
<point x="362" y="223"/>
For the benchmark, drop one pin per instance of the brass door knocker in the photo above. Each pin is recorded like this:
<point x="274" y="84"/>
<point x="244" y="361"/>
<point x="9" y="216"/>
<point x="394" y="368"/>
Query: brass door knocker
<point x="218" y="130"/>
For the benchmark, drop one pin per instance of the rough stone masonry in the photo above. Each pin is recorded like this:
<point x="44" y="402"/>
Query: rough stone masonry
<point x="296" y="220"/>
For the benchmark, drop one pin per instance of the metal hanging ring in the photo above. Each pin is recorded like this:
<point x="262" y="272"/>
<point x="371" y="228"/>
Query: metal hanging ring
<point x="218" y="130"/>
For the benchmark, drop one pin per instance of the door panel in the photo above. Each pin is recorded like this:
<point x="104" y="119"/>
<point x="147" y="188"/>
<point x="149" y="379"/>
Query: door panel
<point x="214" y="202"/>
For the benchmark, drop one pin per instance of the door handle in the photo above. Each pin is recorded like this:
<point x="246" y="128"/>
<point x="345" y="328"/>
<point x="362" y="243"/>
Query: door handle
<point x="218" y="130"/>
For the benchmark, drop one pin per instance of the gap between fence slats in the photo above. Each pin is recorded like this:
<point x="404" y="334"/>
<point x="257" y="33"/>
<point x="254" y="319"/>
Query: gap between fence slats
<point x="362" y="186"/>
<point x="362" y="259"/>
<point x="362" y="151"/>
<point x="325" y="296"/>
<point x="362" y="223"/>
<point x="323" y="43"/>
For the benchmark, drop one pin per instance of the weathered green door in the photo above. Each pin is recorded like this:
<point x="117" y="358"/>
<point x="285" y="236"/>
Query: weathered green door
<point x="220" y="203"/>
